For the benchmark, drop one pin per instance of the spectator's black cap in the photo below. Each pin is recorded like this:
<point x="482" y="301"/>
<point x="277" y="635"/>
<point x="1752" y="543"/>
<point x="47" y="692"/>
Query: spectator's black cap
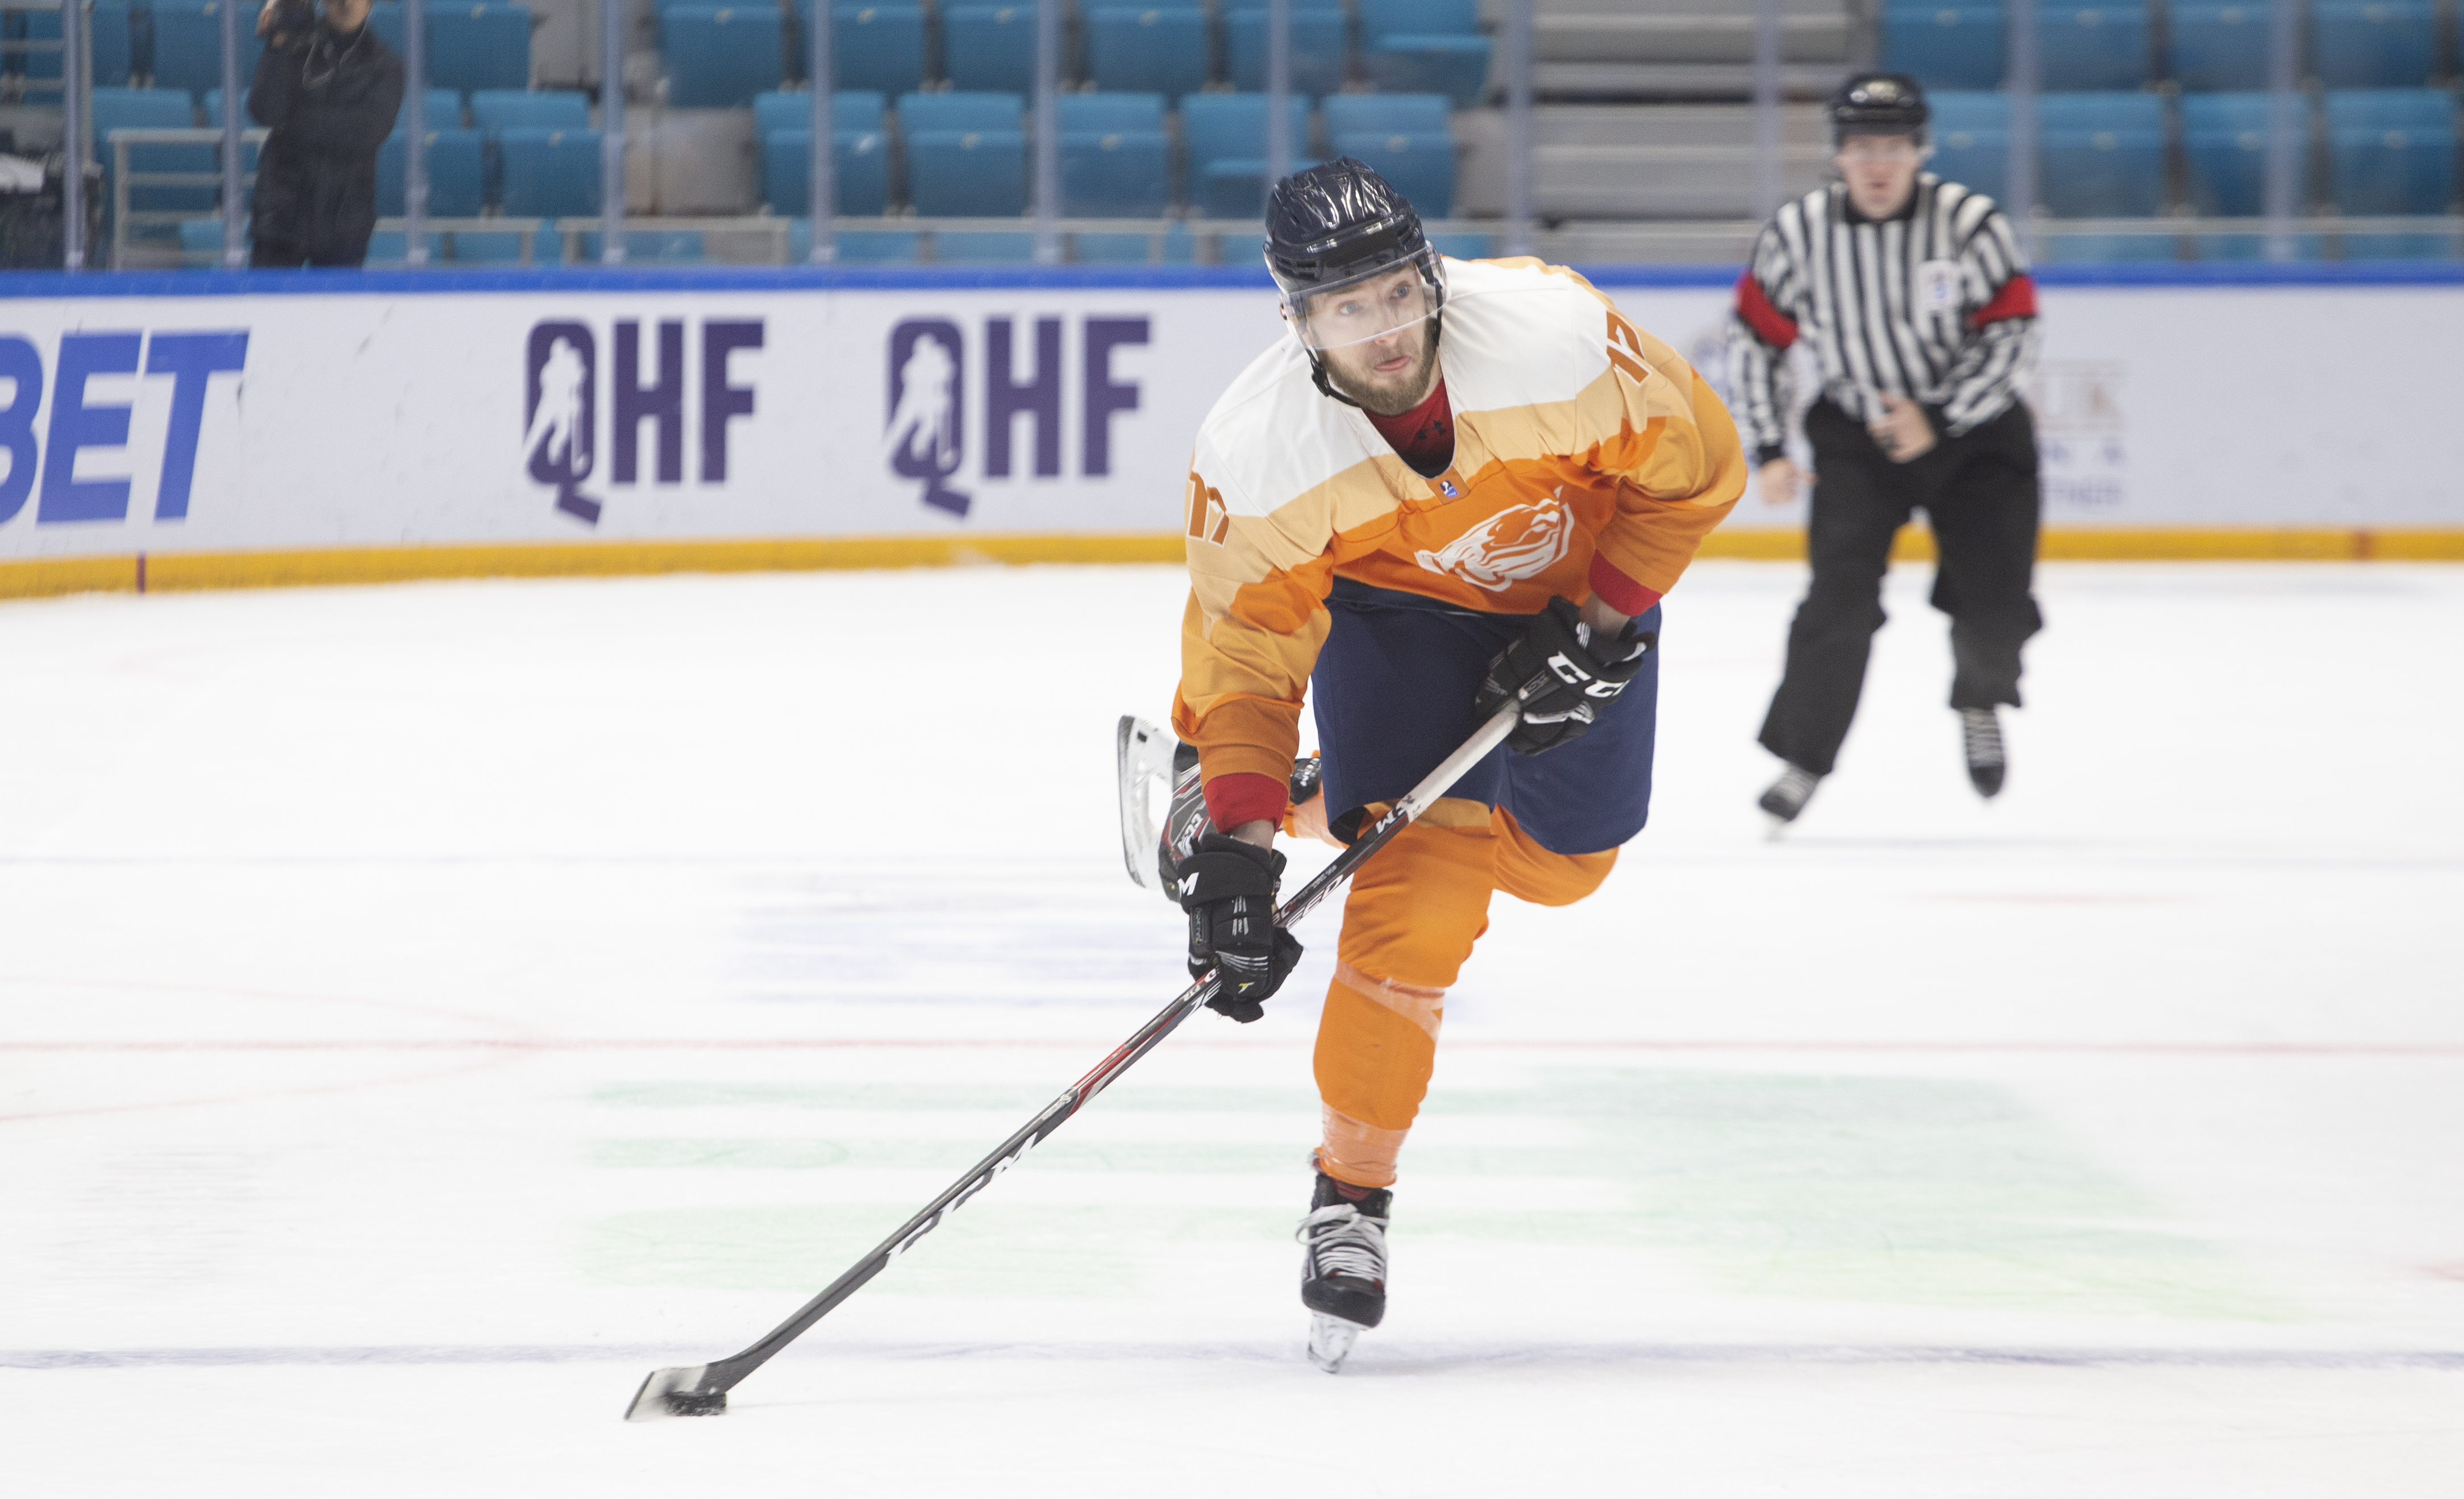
<point x="1879" y="103"/>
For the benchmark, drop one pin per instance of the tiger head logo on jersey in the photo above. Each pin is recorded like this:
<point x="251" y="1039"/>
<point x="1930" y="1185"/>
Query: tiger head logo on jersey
<point x="1507" y="547"/>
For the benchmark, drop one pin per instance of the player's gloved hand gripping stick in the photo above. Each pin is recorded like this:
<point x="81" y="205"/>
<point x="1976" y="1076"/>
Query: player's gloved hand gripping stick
<point x="701" y="1389"/>
<point x="1561" y="675"/>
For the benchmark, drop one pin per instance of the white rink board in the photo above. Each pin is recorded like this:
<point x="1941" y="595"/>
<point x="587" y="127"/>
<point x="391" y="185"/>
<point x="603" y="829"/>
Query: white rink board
<point x="391" y="416"/>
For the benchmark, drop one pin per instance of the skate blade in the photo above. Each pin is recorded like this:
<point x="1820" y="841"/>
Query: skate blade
<point x="670" y="1392"/>
<point x="1331" y="1340"/>
<point x="1144" y="752"/>
<point x="1775" y="827"/>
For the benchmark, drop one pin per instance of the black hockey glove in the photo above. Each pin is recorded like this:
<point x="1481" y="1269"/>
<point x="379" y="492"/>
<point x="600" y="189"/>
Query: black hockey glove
<point x="1564" y="677"/>
<point x="1228" y="889"/>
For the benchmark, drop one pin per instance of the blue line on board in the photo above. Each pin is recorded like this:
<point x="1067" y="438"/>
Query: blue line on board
<point x="577" y="279"/>
<point x="1497" y="1352"/>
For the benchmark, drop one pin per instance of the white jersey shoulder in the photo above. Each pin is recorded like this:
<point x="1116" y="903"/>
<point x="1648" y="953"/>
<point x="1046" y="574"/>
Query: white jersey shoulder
<point x="1514" y="335"/>
<point x="1272" y="435"/>
<point x="1520" y="335"/>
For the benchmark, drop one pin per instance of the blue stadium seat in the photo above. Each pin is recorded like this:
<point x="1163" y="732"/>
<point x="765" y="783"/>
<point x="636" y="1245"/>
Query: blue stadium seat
<point x="1110" y="111"/>
<point x="2085" y="48"/>
<point x="1386" y="114"/>
<point x="860" y="164"/>
<point x="1972" y="140"/>
<point x="1947" y="46"/>
<point x="2100" y="154"/>
<point x="457" y="174"/>
<point x="201" y="242"/>
<point x="1147" y="48"/>
<point x="2224" y="144"/>
<point x="548" y="173"/>
<point x="1465" y="247"/>
<point x="188" y="44"/>
<point x="1122" y="173"/>
<point x="1319" y="49"/>
<point x="956" y="111"/>
<point x="1425" y="47"/>
<point x="1116" y="159"/>
<point x="647" y="247"/>
<point x="720" y="56"/>
<point x="876" y="47"/>
<point x="385" y="19"/>
<point x="443" y="107"/>
<point x="859" y="247"/>
<point x="2217" y="46"/>
<point x="110" y="42"/>
<point x="851" y="109"/>
<point x="390" y="247"/>
<point x="2391" y="150"/>
<point x="989" y="47"/>
<point x="536" y="109"/>
<point x="980" y="247"/>
<point x="152" y="109"/>
<point x="487" y="45"/>
<point x="966" y="154"/>
<point x="1224" y="136"/>
<point x="2373" y="43"/>
<point x="1421" y="164"/>
<point x="1176" y="247"/>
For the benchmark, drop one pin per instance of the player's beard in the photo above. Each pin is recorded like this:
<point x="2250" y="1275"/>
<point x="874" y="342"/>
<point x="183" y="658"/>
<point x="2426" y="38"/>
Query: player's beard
<point x="1353" y="372"/>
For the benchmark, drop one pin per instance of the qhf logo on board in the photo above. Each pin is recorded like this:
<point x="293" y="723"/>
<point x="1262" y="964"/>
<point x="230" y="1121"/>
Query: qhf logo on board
<point x="924" y="437"/>
<point x="648" y="383"/>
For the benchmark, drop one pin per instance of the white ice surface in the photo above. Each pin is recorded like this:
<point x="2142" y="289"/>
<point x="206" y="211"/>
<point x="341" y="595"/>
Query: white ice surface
<point x="424" y="1009"/>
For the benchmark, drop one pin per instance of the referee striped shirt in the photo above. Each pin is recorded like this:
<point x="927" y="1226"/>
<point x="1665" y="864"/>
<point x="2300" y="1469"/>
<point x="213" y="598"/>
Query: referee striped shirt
<point x="1935" y="304"/>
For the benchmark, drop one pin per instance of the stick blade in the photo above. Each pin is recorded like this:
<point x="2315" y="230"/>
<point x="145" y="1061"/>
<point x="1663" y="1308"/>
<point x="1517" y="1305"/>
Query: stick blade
<point x="1145" y="756"/>
<point x="676" y="1392"/>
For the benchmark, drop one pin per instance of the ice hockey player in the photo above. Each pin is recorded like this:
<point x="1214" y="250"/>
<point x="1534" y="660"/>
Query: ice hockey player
<point x="1455" y="484"/>
<point x="1915" y="300"/>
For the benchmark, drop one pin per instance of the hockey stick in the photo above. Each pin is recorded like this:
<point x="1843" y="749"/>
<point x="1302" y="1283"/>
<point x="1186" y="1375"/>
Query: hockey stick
<point x="701" y="1389"/>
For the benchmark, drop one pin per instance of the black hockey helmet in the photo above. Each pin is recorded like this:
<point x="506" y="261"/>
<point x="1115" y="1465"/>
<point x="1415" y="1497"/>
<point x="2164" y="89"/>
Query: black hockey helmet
<point x="1879" y="103"/>
<point x="1329" y="230"/>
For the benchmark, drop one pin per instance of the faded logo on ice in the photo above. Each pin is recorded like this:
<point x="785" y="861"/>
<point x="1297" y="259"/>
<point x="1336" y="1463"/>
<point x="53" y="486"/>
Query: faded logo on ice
<point x="1507" y="547"/>
<point x="560" y="437"/>
<point x="927" y="435"/>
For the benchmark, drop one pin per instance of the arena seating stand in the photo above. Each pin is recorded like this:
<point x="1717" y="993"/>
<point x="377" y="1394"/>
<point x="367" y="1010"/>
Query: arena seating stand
<point x="2213" y="47"/>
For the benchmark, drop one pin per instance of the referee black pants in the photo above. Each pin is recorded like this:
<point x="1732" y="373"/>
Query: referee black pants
<point x="1979" y="493"/>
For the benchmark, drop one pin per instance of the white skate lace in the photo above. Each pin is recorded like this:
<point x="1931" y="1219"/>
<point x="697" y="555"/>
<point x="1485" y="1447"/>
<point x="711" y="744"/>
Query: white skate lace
<point x="1344" y="1241"/>
<point x="1982" y="734"/>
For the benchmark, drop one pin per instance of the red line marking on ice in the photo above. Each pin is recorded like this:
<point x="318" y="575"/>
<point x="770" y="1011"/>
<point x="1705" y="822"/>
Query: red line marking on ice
<point x="512" y="1043"/>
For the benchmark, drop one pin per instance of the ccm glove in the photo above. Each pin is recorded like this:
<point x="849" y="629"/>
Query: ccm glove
<point x="1564" y="675"/>
<point x="1228" y="889"/>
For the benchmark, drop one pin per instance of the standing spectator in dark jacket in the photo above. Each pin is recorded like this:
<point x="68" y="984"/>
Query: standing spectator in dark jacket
<point x="328" y="92"/>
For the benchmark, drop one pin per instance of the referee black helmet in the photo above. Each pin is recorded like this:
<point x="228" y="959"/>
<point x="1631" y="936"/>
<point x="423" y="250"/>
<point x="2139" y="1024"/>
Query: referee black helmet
<point x="1879" y="103"/>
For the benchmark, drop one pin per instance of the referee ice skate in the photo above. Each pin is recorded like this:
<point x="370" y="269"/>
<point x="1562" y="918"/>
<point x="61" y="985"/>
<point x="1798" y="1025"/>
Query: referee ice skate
<point x="1916" y="301"/>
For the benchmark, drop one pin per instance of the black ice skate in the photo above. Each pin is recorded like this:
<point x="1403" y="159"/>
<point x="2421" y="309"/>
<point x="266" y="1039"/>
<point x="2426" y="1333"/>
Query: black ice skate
<point x="1151" y="761"/>
<point x="1980" y="734"/>
<point x="1787" y="796"/>
<point x="1343" y="1269"/>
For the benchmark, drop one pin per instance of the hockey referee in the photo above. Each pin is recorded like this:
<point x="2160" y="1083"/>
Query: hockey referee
<point x="1913" y="296"/>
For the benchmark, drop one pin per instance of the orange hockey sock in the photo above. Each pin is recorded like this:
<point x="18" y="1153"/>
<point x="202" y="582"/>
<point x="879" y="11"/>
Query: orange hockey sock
<point x="1414" y="913"/>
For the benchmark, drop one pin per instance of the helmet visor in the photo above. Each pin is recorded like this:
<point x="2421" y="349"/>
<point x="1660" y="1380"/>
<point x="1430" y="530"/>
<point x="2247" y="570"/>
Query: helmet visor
<point x="1384" y="301"/>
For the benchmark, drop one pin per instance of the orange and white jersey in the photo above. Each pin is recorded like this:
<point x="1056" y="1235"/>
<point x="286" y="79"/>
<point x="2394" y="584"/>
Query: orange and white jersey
<point x="1588" y="457"/>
